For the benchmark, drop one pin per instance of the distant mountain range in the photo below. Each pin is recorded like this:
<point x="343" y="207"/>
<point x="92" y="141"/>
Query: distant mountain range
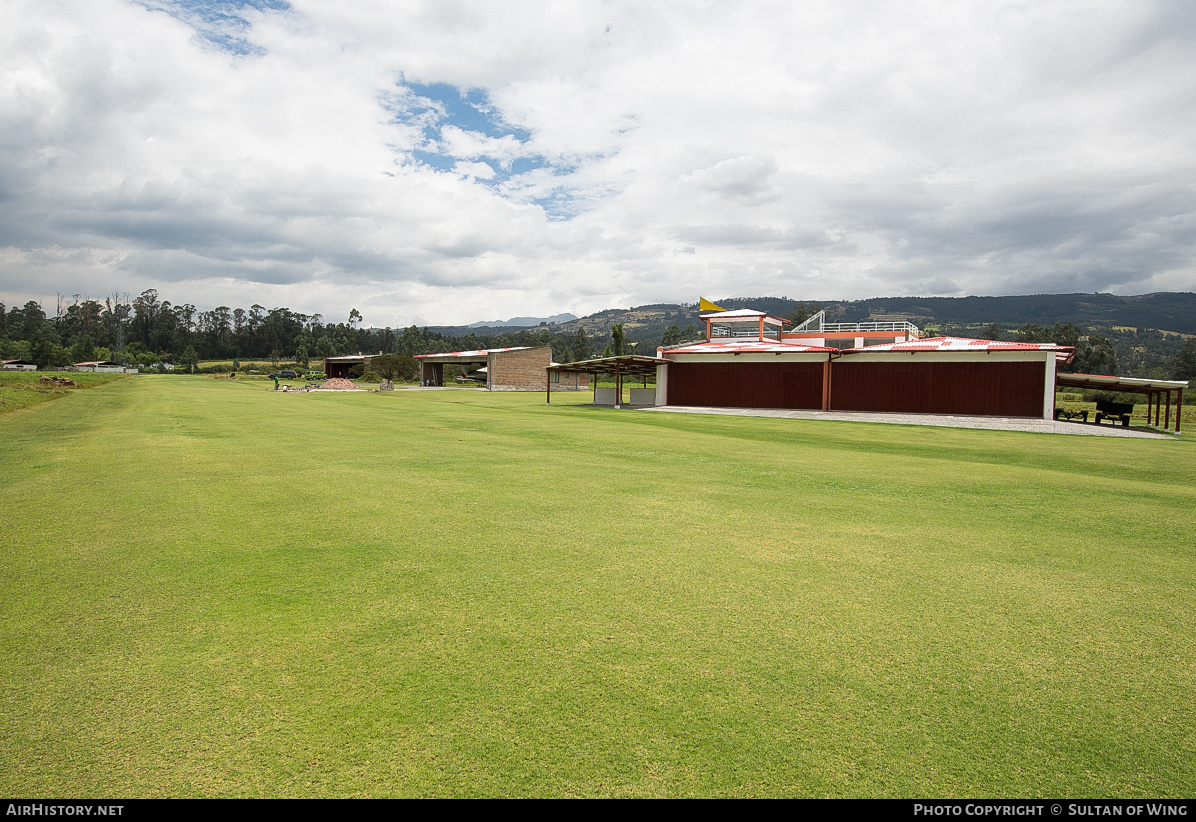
<point x="524" y="322"/>
<point x="1166" y="311"/>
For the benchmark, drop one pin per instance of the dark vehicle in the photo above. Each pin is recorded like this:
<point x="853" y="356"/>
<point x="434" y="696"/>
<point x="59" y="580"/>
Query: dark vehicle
<point x="285" y="374"/>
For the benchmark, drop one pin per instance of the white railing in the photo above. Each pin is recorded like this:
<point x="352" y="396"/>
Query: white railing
<point x="889" y="326"/>
<point x="818" y="324"/>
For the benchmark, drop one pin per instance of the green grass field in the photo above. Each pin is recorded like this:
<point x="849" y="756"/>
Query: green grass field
<point x="212" y="589"/>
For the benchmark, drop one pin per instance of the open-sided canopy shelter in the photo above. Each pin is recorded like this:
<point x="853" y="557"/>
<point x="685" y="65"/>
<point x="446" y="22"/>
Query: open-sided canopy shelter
<point x="632" y="365"/>
<point x="1157" y="392"/>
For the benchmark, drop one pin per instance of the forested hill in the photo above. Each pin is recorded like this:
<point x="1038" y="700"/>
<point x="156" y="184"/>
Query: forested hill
<point x="1165" y="311"/>
<point x="1168" y="311"/>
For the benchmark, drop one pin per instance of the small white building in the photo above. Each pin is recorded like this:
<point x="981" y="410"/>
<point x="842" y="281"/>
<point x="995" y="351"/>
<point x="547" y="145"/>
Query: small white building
<point x="100" y="366"/>
<point x="17" y="365"/>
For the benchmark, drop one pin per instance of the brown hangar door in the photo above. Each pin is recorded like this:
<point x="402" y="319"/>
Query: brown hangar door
<point x="746" y="385"/>
<point x="999" y="389"/>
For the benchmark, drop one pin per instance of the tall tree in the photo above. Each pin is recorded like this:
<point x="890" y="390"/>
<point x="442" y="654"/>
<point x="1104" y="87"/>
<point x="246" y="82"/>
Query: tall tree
<point x="1067" y="333"/>
<point x="1096" y="356"/>
<point x="617" y="339"/>
<point x="1031" y="333"/>
<point x="1183" y="367"/>
<point x="581" y="346"/>
<point x="189" y="359"/>
<point x="145" y="315"/>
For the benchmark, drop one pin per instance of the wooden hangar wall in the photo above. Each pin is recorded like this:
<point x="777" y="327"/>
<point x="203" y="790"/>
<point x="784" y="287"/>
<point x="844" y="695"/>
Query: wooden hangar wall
<point x="998" y="383"/>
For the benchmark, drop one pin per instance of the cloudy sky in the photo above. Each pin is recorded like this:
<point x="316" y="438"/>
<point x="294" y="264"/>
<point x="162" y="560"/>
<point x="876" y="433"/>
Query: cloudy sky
<point x="446" y="162"/>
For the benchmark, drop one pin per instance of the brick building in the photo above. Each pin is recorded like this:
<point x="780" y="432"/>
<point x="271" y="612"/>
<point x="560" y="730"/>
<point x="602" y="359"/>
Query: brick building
<point x="503" y="369"/>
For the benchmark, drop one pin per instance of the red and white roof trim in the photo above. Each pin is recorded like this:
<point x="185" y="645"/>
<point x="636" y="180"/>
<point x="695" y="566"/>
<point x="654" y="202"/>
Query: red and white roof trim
<point x="746" y="346"/>
<point x="962" y="344"/>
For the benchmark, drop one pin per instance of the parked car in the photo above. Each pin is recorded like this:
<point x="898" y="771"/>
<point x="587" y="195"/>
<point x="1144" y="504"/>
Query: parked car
<point x="285" y="374"/>
<point x="315" y="375"/>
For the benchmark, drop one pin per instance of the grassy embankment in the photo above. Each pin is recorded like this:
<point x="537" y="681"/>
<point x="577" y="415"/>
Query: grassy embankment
<point x="212" y="589"/>
<point x="24" y="389"/>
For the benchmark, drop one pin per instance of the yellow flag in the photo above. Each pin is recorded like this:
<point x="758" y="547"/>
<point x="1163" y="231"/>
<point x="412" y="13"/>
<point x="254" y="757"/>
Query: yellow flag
<point x="705" y="305"/>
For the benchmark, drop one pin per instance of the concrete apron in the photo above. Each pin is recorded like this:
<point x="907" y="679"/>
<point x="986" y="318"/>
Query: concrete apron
<point x="1031" y="424"/>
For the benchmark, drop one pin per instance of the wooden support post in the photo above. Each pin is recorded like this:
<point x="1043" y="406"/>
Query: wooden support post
<point x="1167" y="418"/>
<point x="1179" y="407"/>
<point x="548" y="387"/>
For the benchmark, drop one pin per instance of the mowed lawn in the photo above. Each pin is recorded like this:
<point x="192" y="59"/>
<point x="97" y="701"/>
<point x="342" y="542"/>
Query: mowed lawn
<point x="210" y="589"/>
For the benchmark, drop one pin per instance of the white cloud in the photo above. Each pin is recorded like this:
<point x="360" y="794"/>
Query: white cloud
<point x="818" y="149"/>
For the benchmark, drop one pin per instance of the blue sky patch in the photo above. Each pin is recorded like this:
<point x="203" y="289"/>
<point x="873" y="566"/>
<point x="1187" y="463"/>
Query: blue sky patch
<point x="469" y="110"/>
<point x="221" y="22"/>
<point x="435" y="107"/>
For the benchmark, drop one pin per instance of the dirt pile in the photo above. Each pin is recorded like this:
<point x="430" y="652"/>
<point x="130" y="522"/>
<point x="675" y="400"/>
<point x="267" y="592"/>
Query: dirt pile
<point x="62" y="382"/>
<point x="338" y="384"/>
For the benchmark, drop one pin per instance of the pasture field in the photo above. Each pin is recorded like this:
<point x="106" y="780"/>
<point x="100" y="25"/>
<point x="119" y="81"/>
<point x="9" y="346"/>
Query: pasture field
<point x="211" y="589"/>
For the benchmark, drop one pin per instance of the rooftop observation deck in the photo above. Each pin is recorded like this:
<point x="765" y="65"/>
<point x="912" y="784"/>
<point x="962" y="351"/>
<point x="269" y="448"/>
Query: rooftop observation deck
<point x="818" y="325"/>
<point x="748" y="324"/>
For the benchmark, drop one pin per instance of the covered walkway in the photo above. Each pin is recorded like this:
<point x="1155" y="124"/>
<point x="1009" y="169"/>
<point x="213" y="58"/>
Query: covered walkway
<point x="1157" y="392"/>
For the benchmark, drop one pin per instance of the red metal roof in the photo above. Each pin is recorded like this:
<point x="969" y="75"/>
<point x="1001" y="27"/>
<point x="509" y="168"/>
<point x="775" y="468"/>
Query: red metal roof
<point x="961" y="344"/>
<point x="747" y="346"/>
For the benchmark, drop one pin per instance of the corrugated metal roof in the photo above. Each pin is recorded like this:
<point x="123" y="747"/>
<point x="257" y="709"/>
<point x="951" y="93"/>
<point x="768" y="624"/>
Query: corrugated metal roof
<point x="481" y="352"/>
<point x="626" y="364"/>
<point x="747" y="346"/>
<point x="1128" y="383"/>
<point x="961" y="344"/>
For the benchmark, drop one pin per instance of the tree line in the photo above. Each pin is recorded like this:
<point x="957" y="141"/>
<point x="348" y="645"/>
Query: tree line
<point x="148" y="330"/>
